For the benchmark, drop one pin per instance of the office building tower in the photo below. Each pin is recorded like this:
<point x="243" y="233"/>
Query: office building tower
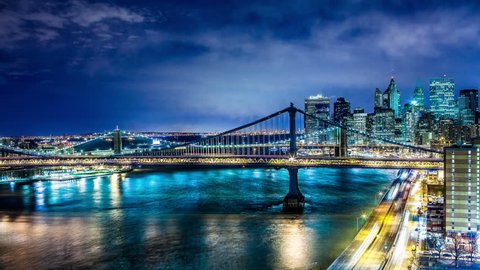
<point x="383" y="124"/>
<point x="359" y="122"/>
<point x="341" y="110"/>
<point x="442" y="100"/>
<point x="117" y="141"/>
<point x="468" y="107"/>
<point x="419" y="98"/>
<point x="318" y="106"/>
<point x="391" y="99"/>
<point x="424" y="128"/>
<point x="409" y="123"/>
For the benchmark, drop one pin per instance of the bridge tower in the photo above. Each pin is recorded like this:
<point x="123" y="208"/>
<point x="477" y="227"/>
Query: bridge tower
<point x="294" y="201"/>
<point x="341" y="147"/>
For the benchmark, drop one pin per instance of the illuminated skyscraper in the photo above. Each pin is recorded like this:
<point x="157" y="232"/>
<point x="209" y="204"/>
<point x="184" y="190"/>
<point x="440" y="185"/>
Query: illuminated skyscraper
<point x="409" y="122"/>
<point x="341" y="110"/>
<point x="419" y="98"/>
<point x="359" y="123"/>
<point x="383" y="123"/>
<point x="442" y="100"/>
<point x="391" y="99"/>
<point x="319" y="106"/>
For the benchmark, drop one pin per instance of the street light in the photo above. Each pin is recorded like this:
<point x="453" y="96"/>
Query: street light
<point x="378" y="196"/>
<point x="362" y="216"/>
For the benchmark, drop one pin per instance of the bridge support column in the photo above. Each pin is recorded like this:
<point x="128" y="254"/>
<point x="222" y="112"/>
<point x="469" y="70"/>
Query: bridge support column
<point x="293" y="135"/>
<point x="294" y="201"/>
<point x="341" y="148"/>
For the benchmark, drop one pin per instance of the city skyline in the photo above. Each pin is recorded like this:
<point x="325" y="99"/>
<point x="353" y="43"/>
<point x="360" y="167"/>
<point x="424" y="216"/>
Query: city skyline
<point x="81" y="66"/>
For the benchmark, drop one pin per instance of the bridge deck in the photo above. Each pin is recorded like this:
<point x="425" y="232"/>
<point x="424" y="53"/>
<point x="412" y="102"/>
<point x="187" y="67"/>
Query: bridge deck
<point x="234" y="161"/>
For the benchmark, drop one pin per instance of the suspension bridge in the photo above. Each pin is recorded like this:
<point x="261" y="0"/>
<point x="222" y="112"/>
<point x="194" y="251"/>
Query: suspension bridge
<point x="278" y="140"/>
<point x="279" y="135"/>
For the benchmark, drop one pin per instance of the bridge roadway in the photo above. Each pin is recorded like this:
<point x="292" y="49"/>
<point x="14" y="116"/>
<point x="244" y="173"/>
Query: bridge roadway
<point x="212" y="161"/>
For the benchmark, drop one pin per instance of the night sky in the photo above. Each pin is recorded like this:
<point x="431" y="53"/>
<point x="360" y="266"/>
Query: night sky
<point x="84" y="66"/>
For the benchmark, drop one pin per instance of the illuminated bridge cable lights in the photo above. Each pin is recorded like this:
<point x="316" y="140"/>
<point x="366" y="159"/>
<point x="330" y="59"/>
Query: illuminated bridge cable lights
<point x="267" y="136"/>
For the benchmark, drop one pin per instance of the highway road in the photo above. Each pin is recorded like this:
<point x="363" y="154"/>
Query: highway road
<point x="374" y="241"/>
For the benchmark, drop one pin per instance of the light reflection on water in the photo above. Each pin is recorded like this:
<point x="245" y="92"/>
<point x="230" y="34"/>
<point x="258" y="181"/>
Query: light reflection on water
<point x="186" y="219"/>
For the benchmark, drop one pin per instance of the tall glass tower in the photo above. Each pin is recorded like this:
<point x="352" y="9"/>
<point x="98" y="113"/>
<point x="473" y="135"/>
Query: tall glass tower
<point x="391" y="99"/>
<point x="442" y="99"/>
<point x="419" y="98"/>
<point x="320" y="107"/>
<point x="341" y="110"/>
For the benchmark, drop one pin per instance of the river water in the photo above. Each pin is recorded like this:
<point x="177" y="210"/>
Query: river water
<point x="185" y="219"/>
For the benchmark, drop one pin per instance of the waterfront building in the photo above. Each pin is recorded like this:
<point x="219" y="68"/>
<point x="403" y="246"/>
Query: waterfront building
<point x="391" y="98"/>
<point x="117" y="141"/>
<point x="442" y="100"/>
<point x="319" y="106"/>
<point x="462" y="182"/>
<point x="341" y="110"/>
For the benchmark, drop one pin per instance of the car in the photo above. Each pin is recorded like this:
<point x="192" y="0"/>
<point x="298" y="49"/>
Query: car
<point x="447" y="255"/>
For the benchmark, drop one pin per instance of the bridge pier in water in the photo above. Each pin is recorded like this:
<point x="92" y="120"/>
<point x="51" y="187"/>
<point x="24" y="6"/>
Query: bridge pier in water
<point x="294" y="201"/>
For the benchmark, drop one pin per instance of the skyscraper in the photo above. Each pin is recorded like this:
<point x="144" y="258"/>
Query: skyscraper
<point x="383" y="123"/>
<point x="442" y="100"/>
<point x="409" y="123"/>
<point x="341" y="110"/>
<point x="117" y="141"/>
<point x="360" y="124"/>
<point x="391" y="98"/>
<point x="319" y="106"/>
<point x="468" y="107"/>
<point x="419" y="98"/>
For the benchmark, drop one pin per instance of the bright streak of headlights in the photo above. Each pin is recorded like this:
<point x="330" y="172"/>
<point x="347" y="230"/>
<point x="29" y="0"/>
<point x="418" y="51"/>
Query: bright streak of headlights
<point x="363" y="247"/>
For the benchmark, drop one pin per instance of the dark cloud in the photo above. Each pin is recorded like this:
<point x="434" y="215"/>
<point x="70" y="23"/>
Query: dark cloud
<point x="203" y="65"/>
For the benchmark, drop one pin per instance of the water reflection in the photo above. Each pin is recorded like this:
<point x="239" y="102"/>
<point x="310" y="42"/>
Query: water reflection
<point x="294" y="245"/>
<point x="199" y="219"/>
